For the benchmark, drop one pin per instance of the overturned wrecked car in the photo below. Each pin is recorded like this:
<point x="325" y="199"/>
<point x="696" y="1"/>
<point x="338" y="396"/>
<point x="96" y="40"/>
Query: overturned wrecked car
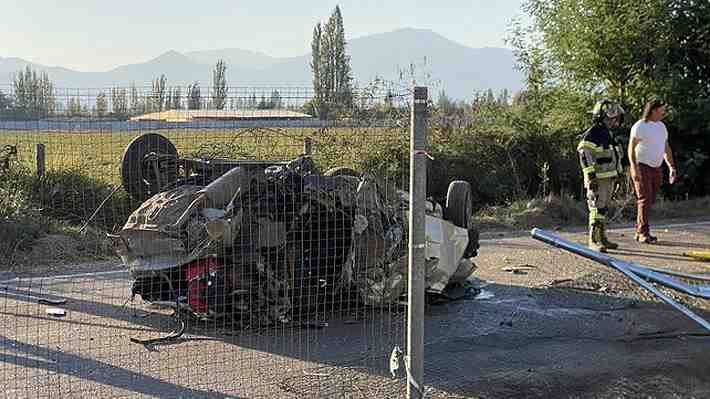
<point x="264" y="242"/>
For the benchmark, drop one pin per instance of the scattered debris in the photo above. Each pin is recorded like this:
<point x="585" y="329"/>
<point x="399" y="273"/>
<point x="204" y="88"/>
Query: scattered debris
<point x="553" y="283"/>
<point x="56" y="312"/>
<point x="691" y="284"/>
<point x="5" y="290"/>
<point x="520" y="269"/>
<point x="484" y="295"/>
<point x="315" y="325"/>
<point x="395" y="360"/>
<point x="175" y="334"/>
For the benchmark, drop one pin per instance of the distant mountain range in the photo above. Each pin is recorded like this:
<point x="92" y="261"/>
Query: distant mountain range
<point x="458" y="69"/>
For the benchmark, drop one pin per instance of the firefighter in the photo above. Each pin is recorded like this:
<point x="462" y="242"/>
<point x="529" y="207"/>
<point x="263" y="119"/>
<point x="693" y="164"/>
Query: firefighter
<point x="600" y="158"/>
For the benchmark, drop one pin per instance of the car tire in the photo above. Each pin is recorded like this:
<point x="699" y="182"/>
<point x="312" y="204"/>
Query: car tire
<point x="459" y="204"/>
<point x="133" y="175"/>
<point x="341" y="171"/>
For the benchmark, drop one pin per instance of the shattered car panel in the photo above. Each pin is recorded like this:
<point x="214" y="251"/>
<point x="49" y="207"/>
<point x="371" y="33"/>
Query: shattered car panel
<point x="256" y="243"/>
<point x="446" y="244"/>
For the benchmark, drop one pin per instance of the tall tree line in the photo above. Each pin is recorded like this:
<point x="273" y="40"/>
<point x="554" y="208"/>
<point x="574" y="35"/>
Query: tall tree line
<point x="34" y="95"/>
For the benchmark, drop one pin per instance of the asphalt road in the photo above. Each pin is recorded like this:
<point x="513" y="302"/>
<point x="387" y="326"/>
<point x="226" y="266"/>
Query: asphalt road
<point x="591" y="334"/>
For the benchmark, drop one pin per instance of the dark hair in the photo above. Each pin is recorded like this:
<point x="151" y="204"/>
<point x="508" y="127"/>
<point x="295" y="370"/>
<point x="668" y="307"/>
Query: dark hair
<point x="651" y="105"/>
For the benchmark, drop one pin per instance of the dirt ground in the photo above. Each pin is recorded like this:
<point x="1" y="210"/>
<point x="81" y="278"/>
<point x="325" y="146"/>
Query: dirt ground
<point x="560" y="327"/>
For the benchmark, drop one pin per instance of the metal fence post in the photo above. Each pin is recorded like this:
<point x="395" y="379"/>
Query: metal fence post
<point x="40" y="159"/>
<point x="307" y="146"/>
<point x="417" y="239"/>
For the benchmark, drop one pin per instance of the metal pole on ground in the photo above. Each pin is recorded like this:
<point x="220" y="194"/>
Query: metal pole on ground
<point x="417" y="239"/>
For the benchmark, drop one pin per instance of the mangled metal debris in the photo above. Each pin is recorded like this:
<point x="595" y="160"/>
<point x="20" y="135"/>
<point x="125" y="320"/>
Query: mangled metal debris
<point x="262" y="242"/>
<point x="56" y="312"/>
<point x="639" y="274"/>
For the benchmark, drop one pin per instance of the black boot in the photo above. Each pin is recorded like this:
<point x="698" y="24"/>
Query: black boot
<point x="608" y="244"/>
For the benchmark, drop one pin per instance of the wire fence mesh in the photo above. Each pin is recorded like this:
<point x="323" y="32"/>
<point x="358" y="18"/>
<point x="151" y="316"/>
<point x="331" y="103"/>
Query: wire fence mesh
<point x="178" y="245"/>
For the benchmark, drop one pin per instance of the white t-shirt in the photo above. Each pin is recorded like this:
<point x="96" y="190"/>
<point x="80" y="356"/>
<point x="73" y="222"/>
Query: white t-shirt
<point x="652" y="142"/>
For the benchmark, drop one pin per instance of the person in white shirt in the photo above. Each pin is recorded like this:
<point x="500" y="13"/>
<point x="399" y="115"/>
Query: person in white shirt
<point x="648" y="148"/>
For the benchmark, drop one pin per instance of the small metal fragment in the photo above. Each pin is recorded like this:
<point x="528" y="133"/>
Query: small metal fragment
<point x="57" y="312"/>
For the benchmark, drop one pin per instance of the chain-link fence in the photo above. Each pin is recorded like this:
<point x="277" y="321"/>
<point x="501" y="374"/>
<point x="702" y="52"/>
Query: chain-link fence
<point x="252" y="243"/>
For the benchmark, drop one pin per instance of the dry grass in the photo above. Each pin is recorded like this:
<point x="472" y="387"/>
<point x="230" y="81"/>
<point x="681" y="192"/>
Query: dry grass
<point x="551" y="211"/>
<point x="693" y="208"/>
<point x="555" y="212"/>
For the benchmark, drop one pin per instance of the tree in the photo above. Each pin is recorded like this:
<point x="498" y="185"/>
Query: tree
<point x="690" y="61"/>
<point x="219" y="85"/>
<point x="444" y="103"/>
<point x="6" y="105"/>
<point x="101" y="104"/>
<point x="47" y="101"/>
<point x="74" y="107"/>
<point x="168" y="103"/>
<point x="194" y="98"/>
<point x="330" y="64"/>
<point x="34" y="95"/>
<point x="263" y="104"/>
<point x="177" y="98"/>
<point x="275" y="101"/>
<point x="158" y="94"/>
<point x="503" y="97"/>
<point x="119" y="102"/>
<point x="316" y="65"/>
<point x="342" y="74"/>
<point x="625" y="50"/>
<point x="137" y="103"/>
<point x="621" y="44"/>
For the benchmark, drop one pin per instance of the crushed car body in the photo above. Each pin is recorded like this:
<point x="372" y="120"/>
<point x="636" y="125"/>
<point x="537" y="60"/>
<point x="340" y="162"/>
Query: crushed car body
<point x="263" y="242"/>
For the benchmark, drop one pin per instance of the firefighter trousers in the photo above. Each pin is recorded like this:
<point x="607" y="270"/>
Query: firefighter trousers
<point x="599" y="194"/>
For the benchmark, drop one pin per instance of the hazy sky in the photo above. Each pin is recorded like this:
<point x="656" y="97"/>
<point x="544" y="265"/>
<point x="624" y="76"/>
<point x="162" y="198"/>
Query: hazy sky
<point x="96" y="35"/>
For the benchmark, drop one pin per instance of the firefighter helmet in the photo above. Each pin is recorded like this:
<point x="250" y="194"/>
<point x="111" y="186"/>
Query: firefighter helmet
<point x="607" y="109"/>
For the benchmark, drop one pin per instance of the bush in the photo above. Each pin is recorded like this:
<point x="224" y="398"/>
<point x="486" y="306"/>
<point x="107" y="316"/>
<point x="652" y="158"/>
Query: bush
<point x="503" y="161"/>
<point x="70" y="196"/>
<point x="20" y="223"/>
<point x="57" y="204"/>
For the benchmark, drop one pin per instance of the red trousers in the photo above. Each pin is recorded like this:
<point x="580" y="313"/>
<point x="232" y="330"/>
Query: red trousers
<point x="647" y="184"/>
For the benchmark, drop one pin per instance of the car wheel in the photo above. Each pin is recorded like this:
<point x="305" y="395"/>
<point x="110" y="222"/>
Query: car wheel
<point x="459" y="204"/>
<point x="137" y="176"/>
